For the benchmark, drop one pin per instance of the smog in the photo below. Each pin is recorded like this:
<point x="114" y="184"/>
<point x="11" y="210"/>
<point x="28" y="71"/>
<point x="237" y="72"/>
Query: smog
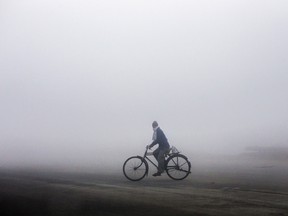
<point x="82" y="82"/>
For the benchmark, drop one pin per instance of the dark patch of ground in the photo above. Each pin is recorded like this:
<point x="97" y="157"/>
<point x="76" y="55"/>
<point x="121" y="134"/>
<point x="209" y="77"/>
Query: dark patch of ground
<point x="58" y="193"/>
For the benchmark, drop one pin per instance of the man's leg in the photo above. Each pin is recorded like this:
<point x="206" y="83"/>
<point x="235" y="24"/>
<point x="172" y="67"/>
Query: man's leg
<point x="156" y="153"/>
<point x="161" y="160"/>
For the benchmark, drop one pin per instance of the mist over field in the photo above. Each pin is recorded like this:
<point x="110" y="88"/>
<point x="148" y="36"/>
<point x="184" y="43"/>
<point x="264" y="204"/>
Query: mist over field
<point x="82" y="81"/>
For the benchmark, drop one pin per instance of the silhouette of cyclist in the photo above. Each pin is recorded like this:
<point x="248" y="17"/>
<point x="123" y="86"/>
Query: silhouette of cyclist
<point x="163" y="148"/>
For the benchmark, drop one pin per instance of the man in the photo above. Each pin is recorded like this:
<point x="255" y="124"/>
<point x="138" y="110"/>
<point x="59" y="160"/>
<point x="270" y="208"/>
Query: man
<point x="160" y="139"/>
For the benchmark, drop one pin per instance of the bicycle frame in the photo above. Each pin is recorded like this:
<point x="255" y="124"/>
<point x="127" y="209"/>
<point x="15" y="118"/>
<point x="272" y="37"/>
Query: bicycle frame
<point x="145" y="157"/>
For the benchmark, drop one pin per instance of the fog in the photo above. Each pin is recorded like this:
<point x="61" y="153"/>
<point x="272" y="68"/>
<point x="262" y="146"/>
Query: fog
<point x="82" y="81"/>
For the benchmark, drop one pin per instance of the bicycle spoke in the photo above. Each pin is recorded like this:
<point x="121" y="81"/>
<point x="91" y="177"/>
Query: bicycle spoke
<point x="178" y="167"/>
<point x="174" y="161"/>
<point x="135" y="168"/>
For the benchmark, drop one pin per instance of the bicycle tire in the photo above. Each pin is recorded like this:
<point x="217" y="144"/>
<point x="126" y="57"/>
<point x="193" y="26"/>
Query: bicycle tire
<point x="178" y="167"/>
<point x="135" y="168"/>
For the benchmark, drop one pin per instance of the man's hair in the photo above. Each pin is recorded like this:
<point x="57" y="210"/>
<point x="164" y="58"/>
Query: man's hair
<point x="155" y="124"/>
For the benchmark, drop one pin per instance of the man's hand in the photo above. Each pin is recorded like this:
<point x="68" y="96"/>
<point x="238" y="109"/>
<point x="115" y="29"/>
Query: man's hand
<point x="148" y="147"/>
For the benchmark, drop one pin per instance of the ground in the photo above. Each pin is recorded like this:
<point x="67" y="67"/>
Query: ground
<point x="262" y="191"/>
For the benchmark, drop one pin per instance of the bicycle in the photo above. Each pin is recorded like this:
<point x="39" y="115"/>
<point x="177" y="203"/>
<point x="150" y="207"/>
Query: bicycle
<point x="177" y="166"/>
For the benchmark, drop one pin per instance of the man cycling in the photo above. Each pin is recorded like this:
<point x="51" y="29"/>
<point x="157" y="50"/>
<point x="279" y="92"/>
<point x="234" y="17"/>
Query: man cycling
<point x="163" y="148"/>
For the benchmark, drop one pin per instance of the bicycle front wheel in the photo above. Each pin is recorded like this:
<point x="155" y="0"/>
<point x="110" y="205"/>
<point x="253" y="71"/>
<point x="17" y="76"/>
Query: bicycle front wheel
<point x="135" y="168"/>
<point x="178" y="167"/>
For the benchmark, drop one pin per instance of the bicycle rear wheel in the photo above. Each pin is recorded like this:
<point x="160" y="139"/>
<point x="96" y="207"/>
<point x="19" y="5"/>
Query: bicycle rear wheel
<point x="178" y="167"/>
<point x="135" y="168"/>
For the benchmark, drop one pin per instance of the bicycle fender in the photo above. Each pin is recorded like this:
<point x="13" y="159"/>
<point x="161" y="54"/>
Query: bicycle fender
<point x="177" y="154"/>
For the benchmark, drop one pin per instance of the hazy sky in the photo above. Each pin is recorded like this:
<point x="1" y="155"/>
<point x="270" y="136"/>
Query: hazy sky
<point x="83" y="80"/>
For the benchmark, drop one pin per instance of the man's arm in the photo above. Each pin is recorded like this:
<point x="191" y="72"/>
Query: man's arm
<point x="153" y="143"/>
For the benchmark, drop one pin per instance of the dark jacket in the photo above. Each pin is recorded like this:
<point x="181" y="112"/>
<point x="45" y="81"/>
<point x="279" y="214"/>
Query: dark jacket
<point x="160" y="139"/>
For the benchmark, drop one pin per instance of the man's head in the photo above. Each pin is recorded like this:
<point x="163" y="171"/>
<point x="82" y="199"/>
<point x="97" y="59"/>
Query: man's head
<point x="154" y="124"/>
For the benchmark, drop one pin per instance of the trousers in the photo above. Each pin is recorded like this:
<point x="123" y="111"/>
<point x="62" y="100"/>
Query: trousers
<point x="159" y="154"/>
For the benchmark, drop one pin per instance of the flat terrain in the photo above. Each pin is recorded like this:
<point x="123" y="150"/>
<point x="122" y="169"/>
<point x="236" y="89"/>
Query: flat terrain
<point x="204" y="192"/>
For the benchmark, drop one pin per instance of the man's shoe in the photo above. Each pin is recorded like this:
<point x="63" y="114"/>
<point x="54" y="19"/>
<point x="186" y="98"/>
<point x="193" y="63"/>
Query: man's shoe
<point x="157" y="174"/>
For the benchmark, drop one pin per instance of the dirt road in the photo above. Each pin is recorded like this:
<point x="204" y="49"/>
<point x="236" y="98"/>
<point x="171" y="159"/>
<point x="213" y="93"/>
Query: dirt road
<point x="59" y="193"/>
